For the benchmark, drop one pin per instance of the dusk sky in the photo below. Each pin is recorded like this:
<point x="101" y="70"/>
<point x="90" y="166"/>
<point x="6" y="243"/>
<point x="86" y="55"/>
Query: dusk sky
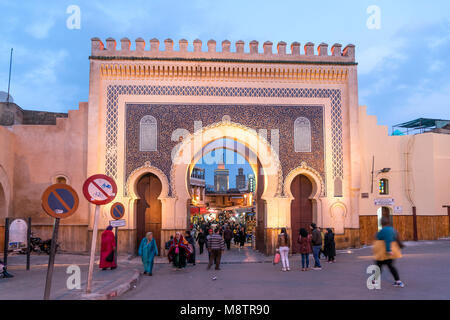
<point x="404" y="68"/>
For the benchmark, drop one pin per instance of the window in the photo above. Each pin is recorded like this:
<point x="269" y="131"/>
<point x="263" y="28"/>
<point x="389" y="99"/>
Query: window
<point x="148" y="134"/>
<point x="383" y="186"/>
<point x="60" y="179"/>
<point x="302" y="135"/>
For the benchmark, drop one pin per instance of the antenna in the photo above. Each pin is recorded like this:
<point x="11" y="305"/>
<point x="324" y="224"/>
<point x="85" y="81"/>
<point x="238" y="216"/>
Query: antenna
<point x="9" y="80"/>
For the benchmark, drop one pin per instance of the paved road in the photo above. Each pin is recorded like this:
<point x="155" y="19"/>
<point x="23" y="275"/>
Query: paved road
<point x="424" y="269"/>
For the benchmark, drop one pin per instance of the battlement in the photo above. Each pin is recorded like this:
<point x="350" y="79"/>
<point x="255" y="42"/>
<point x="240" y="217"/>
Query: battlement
<point x="336" y="55"/>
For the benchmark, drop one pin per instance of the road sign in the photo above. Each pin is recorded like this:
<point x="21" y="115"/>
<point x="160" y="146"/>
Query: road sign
<point x="117" y="211"/>
<point x="384" y="202"/>
<point x="100" y="189"/>
<point x="117" y="223"/>
<point x="60" y="201"/>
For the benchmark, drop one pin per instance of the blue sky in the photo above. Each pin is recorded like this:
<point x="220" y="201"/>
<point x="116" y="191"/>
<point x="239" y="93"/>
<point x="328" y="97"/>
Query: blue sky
<point x="403" y="67"/>
<point x="233" y="161"/>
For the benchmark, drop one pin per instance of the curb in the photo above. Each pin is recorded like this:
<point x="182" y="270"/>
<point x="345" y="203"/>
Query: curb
<point x="116" y="291"/>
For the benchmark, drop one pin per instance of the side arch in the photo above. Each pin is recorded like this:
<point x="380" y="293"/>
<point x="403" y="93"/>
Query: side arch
<point x="313" y="175"/>
<point x="134" y="177"/>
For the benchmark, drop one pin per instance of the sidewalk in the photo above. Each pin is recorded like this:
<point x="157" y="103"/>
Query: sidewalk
<point x="30" y="285"/>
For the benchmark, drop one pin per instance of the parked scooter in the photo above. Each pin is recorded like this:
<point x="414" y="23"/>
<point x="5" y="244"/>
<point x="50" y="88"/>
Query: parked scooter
<point x="38" y="245"/>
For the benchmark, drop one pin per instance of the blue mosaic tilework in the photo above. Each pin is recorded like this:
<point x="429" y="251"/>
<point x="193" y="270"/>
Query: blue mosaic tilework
<point x="113" y="92"/>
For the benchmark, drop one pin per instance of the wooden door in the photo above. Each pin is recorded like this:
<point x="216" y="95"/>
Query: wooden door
<point x="385" y="212"/>
<point x="301" y="208"/>
<point x="149" y="213"/>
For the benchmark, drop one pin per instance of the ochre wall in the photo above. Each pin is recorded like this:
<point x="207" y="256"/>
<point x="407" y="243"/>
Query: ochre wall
<point x="432" y="227"/>
<point x="350" y="239"/>
<point x="368" y="227"/>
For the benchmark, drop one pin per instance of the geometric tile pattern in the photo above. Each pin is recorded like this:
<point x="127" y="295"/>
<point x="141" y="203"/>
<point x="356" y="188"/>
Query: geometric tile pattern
<point x="113" y="92"/>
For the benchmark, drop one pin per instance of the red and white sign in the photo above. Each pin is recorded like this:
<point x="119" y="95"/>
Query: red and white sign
<point x="100" y="189"/>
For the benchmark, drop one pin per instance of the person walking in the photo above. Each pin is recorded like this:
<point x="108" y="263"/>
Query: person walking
<point x="216" y="246"/>
<point x="107" y="250"/>
<point x="330" y="246"/>
<point x="304" y="239"/>
<point x="201" y="239"/>
<point x="147" y="251"/>
<point x="283" y="245"/>
<point x="179" y="252"/>
<point x="241" y="238"/>
<point x="227" y="236"/>
<point x="387" y="249"/>
<point x="190" y="239"/>
<point x="316" y="246"/>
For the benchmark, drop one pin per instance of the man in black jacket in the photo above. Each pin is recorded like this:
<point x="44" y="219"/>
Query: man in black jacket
<point x="317" y="245"/>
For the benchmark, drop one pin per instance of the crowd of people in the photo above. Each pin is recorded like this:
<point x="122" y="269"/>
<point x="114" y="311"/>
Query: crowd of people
<point x="217" y="237"/>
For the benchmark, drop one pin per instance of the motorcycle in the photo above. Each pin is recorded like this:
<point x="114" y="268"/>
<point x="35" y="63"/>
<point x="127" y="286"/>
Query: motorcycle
<point x="38" y="245"/>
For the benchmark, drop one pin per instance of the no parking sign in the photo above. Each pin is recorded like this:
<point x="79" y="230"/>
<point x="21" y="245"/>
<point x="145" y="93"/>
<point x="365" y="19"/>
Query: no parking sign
<point x="98" y="189"/>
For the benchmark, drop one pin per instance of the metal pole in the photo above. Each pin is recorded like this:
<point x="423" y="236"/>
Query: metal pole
<point x="9" y="80"/>
<point x="415" y="224"/>
<point x="51" y="260"/>
<point x="373" y="168"/>
<point x="28" y="243"/>
<point x="115" y="249"/>
<point x="6" y="244"/>
<point x="93" y="246"/>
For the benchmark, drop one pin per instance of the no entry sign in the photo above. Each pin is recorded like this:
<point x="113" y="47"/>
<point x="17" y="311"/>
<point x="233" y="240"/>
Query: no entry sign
<point x="60" y="201"/>
<point x="117" y="211"/>
<point x="100" y="189"/>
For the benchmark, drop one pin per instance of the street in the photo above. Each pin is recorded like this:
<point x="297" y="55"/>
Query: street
<point x="424" y="269"/>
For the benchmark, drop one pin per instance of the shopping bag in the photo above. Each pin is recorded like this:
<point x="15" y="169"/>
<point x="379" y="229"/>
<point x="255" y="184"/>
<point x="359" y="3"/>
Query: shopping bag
<point x="276" y="259"/>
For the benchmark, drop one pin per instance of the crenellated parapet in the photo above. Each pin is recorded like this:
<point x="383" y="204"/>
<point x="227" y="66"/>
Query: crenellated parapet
<point x="166" y="50"/>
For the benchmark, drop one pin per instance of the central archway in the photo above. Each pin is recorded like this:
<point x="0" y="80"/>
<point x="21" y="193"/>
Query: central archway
<point x="188" y="151"/>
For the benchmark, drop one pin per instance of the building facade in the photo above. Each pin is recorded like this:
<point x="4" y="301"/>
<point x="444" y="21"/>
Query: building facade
<point x="294" y="116"/>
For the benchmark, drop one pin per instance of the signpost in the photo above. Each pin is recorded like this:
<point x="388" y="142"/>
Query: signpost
<point x="98" y="189"/>
<point x="384" y="202"/>
<point x="117" y="212"/>
<point x="58" y="201"/>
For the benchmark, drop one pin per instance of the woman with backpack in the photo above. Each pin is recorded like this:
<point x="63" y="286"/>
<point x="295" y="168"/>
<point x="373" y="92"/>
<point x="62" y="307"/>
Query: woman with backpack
<point x="304" y="239"/>
<point x="283" y="246"/>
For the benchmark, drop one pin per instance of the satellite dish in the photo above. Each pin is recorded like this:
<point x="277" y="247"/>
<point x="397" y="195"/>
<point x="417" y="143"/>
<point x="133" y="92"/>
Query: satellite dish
<point x="4" y="97"/>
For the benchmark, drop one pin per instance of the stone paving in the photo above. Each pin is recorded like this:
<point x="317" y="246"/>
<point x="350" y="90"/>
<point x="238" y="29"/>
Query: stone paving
<point x="424" y="269"/>
<point x="29" y="285"/>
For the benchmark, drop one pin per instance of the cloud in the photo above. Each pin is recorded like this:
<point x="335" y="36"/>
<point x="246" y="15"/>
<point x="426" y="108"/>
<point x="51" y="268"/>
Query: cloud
<point x="40" y="29"/>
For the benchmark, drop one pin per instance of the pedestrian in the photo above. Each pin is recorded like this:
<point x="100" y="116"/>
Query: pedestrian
<point x="169" y="243"/>
<point x="216" y="246"/>
<point x="330" y="246"/>
<point x="201" y="239"/>
<point x="190" y="239"/>
<point x="210" y="233"/>
<point x="147" y="251"/>
<point x="283" y="245"/>
<point x="227" y="236"/>
<point x="387" y="249"/>
<point x="107" y="248"/>
<point x="304" y="239"/>
<point x="322" y="249"/>
<point x="235" y="236"/>
<point x="179" y="252"/>
<point x="316" y="246"/>
<point x="241" y="238"/>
